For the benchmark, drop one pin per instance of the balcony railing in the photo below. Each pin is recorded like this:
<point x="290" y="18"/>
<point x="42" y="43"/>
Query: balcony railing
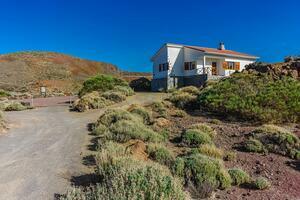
<point x="205" y="70"/>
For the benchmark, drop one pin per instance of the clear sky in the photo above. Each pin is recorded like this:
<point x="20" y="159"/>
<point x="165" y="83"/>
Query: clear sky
<point x="127" y="33"/>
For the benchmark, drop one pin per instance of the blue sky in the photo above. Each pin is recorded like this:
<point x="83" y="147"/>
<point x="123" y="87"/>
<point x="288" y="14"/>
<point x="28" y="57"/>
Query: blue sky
<point x="127" y="33"/>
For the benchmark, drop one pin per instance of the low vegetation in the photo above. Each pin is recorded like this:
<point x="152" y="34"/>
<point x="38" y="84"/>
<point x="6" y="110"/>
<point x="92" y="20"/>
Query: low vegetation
<point x="261" y="183"/>
<point x="274" y="139"/>
<point x="101" y="83"/>
<point x="8" y="105"/>
<point x="257" y="97"/>
<point x="210" y="150"/>
<point x="4" y="93"/>
<point x="194" y="137"/>
<point x="185" y="97"/>
<point x="161" y="154"/>
<point x="238" y="176"/>
<point x="101" y="91"/>
<point x="2" y="122"/>
<point x="121" y="126"/>
<point x="204" y="174"/>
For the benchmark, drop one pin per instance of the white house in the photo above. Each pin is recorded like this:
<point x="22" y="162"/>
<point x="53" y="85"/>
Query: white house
<point x="177" y="65"/>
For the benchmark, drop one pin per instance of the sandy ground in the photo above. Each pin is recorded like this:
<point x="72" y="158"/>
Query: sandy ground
<point x="44" y="148"/>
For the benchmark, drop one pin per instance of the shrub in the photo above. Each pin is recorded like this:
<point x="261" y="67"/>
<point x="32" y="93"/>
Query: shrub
<point x="229" y="156"/>
<point x="278" y="140"/>
<point x="179" y="113"/>
<point x="4" y="93"/>
<point x="253" y="145"/>
<point x="183" y="100"/>
<point x="15" y="106"/>
<point x="2" y="122"/>
<point x="204" y="128"/>
<point x="210" y="150"/>
<point x="178" y="167"/>
<point x="205" y="173"/>
<point x="124" y="130"/>
<point x="190" y="89"/>
<point x="125" y="90"/>
<point x="261" y="183"/>
<point x="160" y="154"/>
<point x="254" y="97"/>
<point x="238" y="176"/>
<point x="159" y="108"/>
<point x="114" y="96"/>
<point x="111" y="116"/>
<point x="100" y="129"/>
<point x="126" y="178"/>
<point x="101" y="83"/>
<point x="91" y="100"/>
<point x="216" y="121"/>
<point x="142" y="112"/>
<point x="141" y="84"/>
<point x="194" y="137"/>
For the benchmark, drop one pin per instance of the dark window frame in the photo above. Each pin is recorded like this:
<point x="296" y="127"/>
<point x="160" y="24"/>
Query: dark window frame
<point x="190" y="65"/>
<point x="231" y="65"/>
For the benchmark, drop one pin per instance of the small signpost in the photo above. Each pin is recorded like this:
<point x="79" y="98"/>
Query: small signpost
<point x="43" y="91"/>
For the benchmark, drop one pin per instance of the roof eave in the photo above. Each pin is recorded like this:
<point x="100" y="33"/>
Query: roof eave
<point x="232" y="55"/>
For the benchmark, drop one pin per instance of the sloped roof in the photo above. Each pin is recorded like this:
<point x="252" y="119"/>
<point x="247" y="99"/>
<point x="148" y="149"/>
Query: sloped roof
<point x="221" y="52"/>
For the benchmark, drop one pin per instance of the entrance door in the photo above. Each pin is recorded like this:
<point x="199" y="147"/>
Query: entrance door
<point x="214" y="68"/>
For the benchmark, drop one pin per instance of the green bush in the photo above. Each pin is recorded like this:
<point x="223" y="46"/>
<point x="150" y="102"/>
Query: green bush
<point x="100" y="129"/>
<point x="101" y="83"/>
<point x="253" y="145"/>
<point x="15" y="106"/>
<point x="229" y="156"/>
<point x="210" y="150"/>
<point x="205" y="174"/>
<point x="261" y="183"/>
<point x="190" y="89"/>
<point x="178" y="167"/>
<point x="91" y="100"/>
<point x="124" y="130"/>
<point x="142" y="112"/>
<point x="4" y="93"/>
<point x="194" y="137"/>
<point x="254" y="97"/>
<point x="278" y="140"/>
<point x="111" y="116"/>
<point x="183" y="100"/>
<point x="125" y="90"/>
<point x="179" y="113"/>
<point x="115" y="97"/>
<point x="204" y="128"/>
<point x="159" y="108"/>
<point x="160" y="154"/>
<point x="126" y="178"/>
<point x="238" y="176"/>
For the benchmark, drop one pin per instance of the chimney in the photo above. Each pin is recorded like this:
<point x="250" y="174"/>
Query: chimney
<point x="221" y="46"/>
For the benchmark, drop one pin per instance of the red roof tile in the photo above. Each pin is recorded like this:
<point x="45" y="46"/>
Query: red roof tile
<point x="221" y="52"/>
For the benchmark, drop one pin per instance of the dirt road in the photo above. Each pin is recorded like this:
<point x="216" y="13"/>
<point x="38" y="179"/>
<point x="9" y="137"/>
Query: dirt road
<point x="42" y="150"/>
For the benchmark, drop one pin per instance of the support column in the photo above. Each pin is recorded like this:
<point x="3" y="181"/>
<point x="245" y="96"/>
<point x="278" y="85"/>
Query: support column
<point x="204" y="61"/>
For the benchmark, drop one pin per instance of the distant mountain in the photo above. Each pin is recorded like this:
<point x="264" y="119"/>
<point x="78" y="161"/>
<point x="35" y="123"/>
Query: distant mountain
<point x="60" y="73"/>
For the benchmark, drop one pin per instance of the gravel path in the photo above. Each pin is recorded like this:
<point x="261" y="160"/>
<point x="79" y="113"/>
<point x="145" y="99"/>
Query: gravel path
<point x="43" y="148"/>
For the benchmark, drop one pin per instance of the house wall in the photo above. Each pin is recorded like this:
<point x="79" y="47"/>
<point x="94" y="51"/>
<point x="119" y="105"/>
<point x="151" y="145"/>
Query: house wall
<point x="160" y="58"/>
<point x="176" y="60"/>
<point x="191" y="55"/>
<point x="243" y="63"/>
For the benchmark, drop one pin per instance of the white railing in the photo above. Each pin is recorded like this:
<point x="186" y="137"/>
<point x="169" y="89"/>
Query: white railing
<point x="204" y="70"/>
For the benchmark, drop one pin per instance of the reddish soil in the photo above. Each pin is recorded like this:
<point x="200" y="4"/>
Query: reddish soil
<point x="282" y="172"/>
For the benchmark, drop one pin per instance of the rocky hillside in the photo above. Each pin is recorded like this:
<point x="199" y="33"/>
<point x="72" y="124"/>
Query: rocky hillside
<point x="291" y="67"/>
<point x="60" y="73"/>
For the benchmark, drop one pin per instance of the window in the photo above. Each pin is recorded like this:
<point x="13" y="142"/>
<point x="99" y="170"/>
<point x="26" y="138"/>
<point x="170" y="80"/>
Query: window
<point x="163" y="67"/>
<point x="231" y="65"/>
<point x="189" y="65"/>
